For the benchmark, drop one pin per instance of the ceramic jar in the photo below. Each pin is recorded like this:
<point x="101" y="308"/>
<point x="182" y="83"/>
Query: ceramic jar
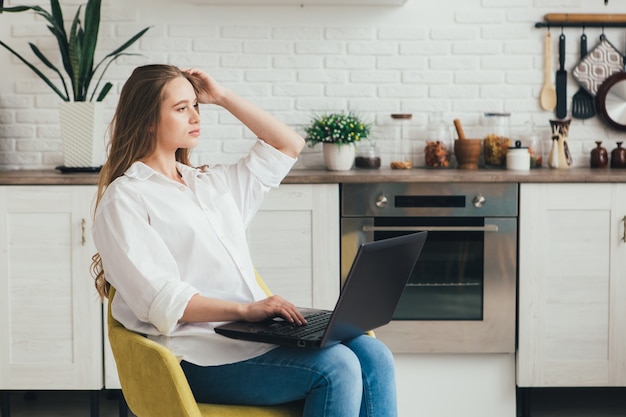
<point x="560" y="128"/>
<point x="599" y="156"/>
<point x="518" y="158"/>
<point x="618" y="156"/>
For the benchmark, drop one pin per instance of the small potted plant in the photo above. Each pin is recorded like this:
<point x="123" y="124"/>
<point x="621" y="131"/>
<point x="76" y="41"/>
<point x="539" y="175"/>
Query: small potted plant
<point x="80" y="95"/>
<point x="338" y="133"/>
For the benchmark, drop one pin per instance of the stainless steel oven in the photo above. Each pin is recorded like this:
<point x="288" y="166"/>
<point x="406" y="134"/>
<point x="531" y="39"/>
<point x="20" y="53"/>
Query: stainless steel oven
<point x="461" y="296"/>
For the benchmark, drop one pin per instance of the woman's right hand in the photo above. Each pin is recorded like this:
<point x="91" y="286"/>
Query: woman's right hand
<point x="273" y="306"/>
<point x="204" y="309"/>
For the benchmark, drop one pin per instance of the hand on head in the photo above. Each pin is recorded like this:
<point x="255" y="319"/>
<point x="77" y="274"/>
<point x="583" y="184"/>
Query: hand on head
<point x="209" y="91"/>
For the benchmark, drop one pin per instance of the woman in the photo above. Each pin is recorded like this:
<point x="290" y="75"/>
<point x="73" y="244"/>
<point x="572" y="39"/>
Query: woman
<point x="171" y="240"/>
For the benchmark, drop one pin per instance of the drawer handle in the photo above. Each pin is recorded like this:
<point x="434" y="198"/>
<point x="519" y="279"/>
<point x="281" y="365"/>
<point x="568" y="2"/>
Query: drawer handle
<point x="485" y="228"/>
<point x="83" y="223"/>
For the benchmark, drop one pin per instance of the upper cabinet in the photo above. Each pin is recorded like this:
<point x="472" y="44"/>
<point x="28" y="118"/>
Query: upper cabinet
<point x="359" y="3"/>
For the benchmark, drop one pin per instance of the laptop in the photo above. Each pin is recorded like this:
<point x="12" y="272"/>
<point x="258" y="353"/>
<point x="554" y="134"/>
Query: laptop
<point x="377" y="277"/>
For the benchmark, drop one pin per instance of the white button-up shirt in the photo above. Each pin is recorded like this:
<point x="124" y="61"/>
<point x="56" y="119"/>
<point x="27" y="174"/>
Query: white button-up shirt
<point x="162" y="242"/>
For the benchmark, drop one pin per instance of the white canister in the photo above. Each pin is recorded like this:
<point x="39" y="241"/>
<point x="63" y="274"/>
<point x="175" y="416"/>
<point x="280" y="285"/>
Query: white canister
<point x="518" y="158"/>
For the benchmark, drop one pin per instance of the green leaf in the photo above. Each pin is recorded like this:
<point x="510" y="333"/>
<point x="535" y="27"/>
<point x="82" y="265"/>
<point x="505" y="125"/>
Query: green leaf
<point x="105" y="90"/>
<point x="39" y="73"/>
<point x="49" y="64"/>
<point x="77" y="51"/>
<point x="129" y="42"/>
<point x="90" y="40"/>
<point x="74" y="55"/>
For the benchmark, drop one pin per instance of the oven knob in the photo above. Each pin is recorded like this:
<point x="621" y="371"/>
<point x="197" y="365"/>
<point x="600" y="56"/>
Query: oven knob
<point x="479" y="201"/>
<point x="381" y="201"/>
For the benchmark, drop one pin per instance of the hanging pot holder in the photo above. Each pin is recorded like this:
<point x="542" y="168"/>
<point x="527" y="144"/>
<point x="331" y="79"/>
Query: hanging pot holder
<point x="598" y="65"/>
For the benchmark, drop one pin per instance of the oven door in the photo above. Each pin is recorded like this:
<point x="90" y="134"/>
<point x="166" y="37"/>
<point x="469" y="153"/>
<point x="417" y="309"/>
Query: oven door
<point x="461" y="296"/>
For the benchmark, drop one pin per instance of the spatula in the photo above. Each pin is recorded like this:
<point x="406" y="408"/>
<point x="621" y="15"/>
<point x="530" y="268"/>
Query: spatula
<point x="583" y="106"/>
<point x="547" y="98"/>
<point x="561" y="82"/>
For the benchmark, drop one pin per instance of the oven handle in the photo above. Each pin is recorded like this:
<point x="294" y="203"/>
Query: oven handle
<point x="485" y="228"/>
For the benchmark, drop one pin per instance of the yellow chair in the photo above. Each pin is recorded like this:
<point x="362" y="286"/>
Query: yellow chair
<point x="154" y="385"/>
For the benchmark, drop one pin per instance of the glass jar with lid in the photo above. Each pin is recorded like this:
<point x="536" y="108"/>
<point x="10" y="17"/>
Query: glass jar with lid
<point x="438" y="143"/>
<point x="531" y="138"/>
<point x="367" y="156"/>
<point x="497" y="138"/>
<point x="402" y="149"/>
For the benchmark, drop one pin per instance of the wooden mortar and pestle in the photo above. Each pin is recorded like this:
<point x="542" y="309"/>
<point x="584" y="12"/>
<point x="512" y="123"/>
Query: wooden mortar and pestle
<point x="467" y="151"/>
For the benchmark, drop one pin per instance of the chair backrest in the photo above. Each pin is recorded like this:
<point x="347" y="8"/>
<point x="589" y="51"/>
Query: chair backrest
<point x="154" y="384"/>
<point x="152" y="380"/>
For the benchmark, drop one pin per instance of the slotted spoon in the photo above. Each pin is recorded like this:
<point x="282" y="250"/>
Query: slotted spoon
<point x="583" y="106"/>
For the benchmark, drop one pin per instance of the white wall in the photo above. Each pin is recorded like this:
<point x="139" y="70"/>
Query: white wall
<point x="460" y="57"/>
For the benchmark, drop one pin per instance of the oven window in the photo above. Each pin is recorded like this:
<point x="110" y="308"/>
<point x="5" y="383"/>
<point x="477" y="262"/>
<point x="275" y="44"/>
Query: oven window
<point x="447" y="282"/>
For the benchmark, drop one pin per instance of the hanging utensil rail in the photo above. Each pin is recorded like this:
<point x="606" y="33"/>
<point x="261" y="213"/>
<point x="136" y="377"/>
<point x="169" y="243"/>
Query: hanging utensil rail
<point x="582" y="20"/>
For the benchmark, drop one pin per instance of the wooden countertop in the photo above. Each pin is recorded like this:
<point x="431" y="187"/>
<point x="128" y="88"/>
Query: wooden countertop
<point x="322" y="176"/>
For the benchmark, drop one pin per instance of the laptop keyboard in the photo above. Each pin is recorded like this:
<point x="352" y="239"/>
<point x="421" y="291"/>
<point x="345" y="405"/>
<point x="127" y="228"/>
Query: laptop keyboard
<point x="314" y="323"/>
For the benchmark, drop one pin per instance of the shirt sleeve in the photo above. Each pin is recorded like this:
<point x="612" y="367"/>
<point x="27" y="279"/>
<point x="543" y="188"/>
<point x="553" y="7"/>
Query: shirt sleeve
<point x="269" y="164"/>
<point x="138" y="263"/>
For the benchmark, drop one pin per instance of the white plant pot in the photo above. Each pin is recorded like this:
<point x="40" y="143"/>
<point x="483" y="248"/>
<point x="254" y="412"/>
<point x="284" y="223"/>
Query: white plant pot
<point x="82" y="134"/>
<point x="339" y="157"/>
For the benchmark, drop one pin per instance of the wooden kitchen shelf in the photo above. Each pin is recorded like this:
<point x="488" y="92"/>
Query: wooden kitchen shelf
<point x="584" y="20"/>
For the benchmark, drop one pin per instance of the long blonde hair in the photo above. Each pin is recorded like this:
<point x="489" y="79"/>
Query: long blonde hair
<point x="133" y="134"/>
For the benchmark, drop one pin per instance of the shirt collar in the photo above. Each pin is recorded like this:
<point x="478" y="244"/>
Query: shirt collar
<point x="141" y="171"/>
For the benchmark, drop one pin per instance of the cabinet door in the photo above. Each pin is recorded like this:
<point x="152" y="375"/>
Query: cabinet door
<point x="571" y="290"/>
<point x="294" y="240"/>
<point x="50" y="313"/>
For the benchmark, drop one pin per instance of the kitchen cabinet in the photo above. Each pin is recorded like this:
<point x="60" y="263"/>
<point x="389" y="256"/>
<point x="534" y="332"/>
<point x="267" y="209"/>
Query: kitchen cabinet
<point x="294" y="240"/>
<point x="50" y="314"/>
<point x="572" y="285"/>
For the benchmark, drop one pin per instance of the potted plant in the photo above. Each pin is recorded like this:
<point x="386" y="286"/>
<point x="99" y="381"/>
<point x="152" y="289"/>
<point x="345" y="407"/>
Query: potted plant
<point x="338" y="133"/>
<point x="80" y="110"/>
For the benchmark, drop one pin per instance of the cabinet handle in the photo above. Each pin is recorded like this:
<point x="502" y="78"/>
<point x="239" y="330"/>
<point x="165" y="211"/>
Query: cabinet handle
<point x="624" y="225"/>
<point x="83" y="223"/>
<point x="485" y="228"/>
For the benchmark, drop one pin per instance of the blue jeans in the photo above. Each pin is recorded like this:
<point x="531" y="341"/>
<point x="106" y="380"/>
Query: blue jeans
<point x="345" y="380"/>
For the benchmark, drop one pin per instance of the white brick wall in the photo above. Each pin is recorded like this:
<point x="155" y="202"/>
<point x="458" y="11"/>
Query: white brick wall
<point x="460" y="57"/>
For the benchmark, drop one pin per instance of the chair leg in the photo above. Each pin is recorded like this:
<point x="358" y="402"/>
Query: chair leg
<point x="95" y="403"/>
<point x="123" y="407"/>
<point x="5" y="409"/>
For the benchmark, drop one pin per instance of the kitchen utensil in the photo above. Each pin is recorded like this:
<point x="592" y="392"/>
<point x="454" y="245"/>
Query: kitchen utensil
<point x="598" y="65"/>
<point x="611" y="100"/>
<point x="467" y="152"/>
<point x="547" y="98"/>
<point x="459" y="129"/>
<point x="560" y="129"/>
<point x="583" y="104"/>
<point x="561" y="81"/>
<point x="553" y="158"/>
